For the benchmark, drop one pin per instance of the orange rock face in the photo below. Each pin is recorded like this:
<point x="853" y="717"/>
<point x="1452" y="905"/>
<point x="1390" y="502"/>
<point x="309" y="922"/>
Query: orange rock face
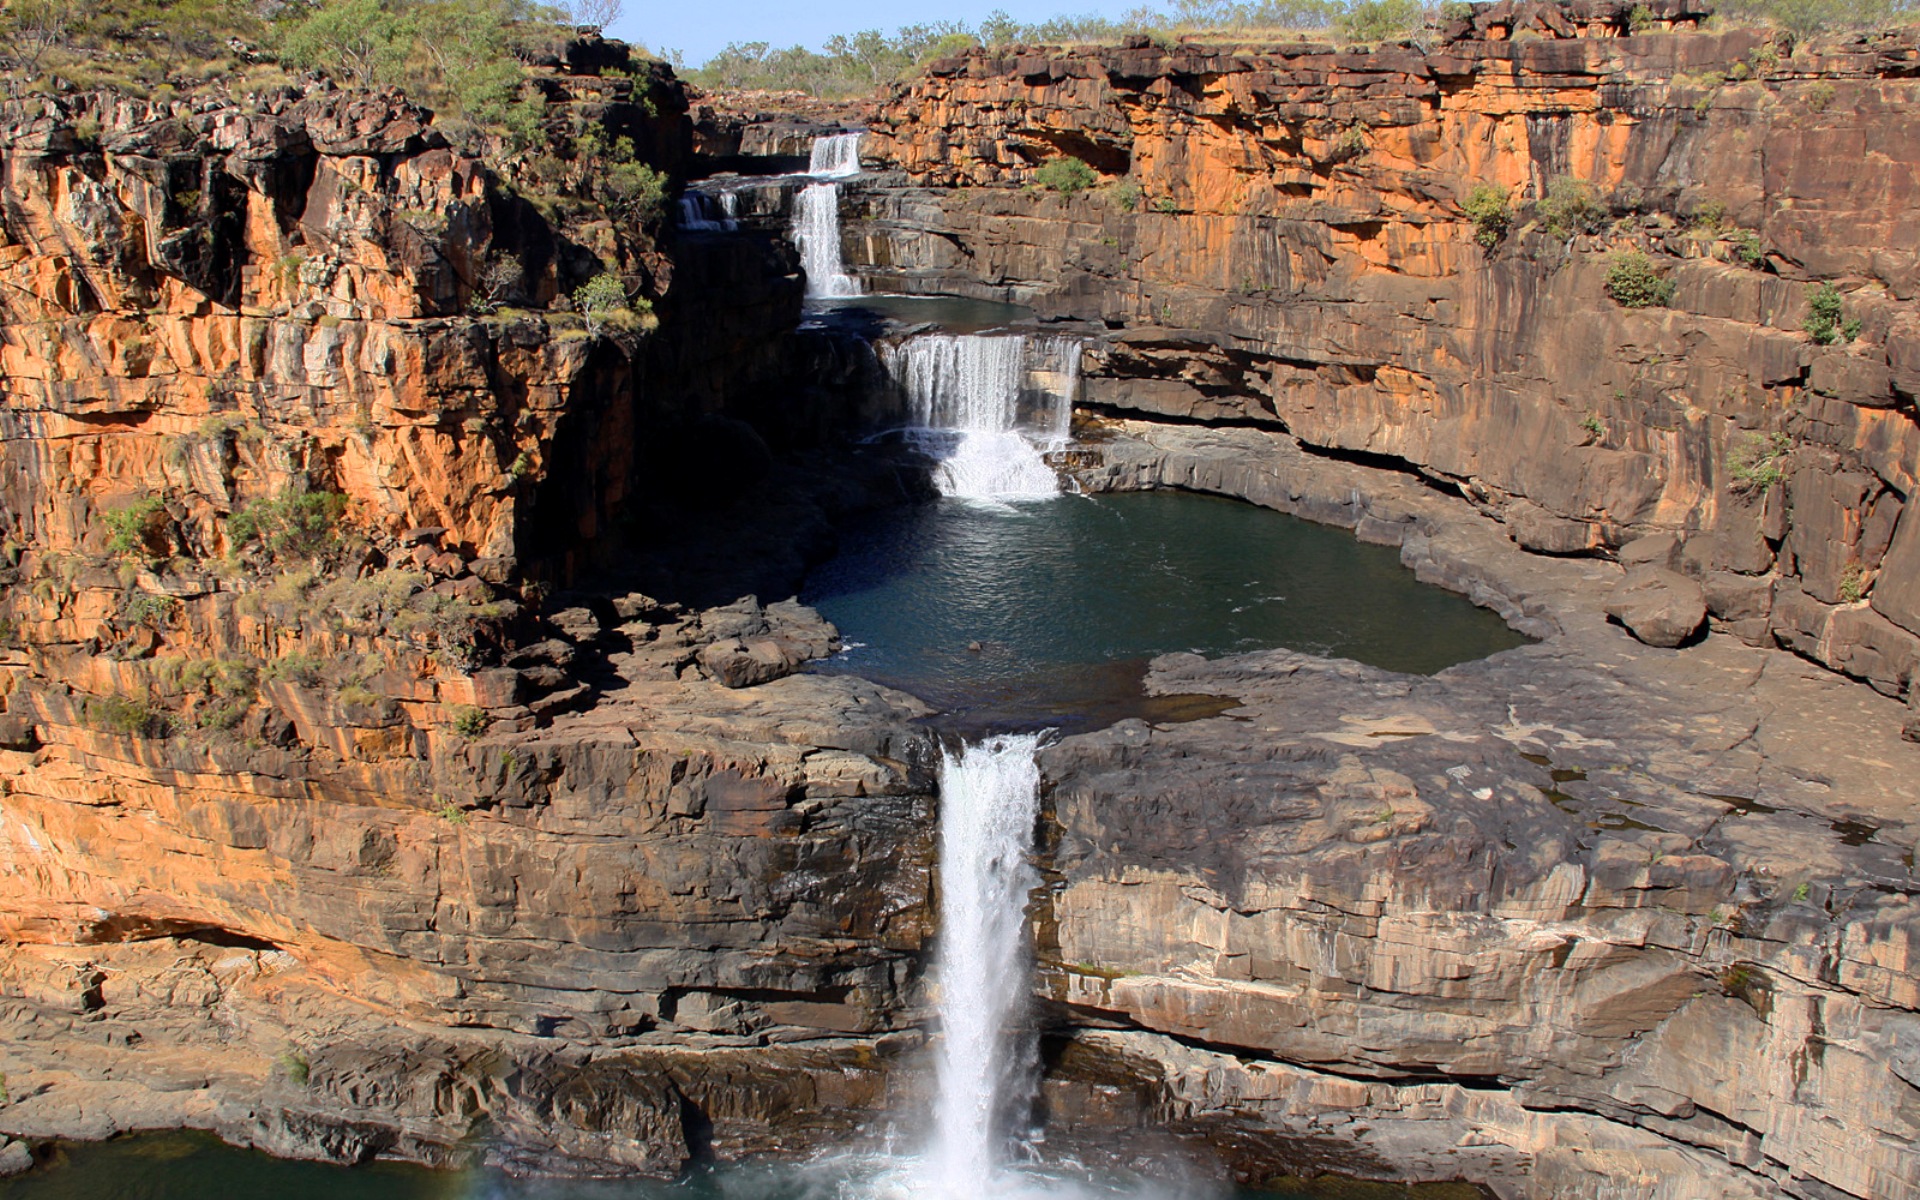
<point x="1281" y="236"/>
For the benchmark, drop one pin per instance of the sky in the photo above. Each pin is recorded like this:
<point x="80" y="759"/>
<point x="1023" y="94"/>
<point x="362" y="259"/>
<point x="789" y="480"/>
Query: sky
<point x="700" y="28"/>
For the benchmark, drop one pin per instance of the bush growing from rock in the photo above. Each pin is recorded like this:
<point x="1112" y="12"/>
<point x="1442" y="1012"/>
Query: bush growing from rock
<point x="1758" y="461"/>
<point x="1570" y="207"/>
<point x="1486" y="207"/>
<point x="1633" y="282"/>
<point x="1826" y="322"/>
<point x="1066" y="176"/>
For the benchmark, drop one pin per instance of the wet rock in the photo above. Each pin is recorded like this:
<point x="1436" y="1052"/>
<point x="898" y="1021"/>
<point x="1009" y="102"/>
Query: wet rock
<point x="1660" y="607"/>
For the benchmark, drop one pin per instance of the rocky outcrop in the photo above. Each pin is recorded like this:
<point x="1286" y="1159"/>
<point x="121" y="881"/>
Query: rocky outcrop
<point x="1285" y="237"/>
<point x="1586" y="918"/>
<point x="329" y="819"/>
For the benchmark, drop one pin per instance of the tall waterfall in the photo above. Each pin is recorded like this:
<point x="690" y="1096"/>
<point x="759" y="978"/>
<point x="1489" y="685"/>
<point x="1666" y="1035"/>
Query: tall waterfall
<point x="1008" y="397"/>
<point x="816" y="216"/>
<point x="989" y="800"/>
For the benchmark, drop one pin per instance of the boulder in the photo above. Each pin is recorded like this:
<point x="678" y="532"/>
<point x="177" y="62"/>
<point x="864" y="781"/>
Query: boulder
<point x="1658" y="606"/>
<point x="15" y="1159"/>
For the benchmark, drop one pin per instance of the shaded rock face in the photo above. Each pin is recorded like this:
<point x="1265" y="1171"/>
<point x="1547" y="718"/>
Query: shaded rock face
<point x="363" y="844"/>
<point x="1281" y="239"/>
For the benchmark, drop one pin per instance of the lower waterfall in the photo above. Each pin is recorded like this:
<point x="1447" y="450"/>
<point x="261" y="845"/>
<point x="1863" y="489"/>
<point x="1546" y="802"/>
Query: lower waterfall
<point x="989" y="797"/>
<point x="989" y="407"/>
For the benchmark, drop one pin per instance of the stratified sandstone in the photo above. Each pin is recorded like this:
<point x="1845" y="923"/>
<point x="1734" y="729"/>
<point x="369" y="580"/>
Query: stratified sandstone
<point x="1280" y="239"/>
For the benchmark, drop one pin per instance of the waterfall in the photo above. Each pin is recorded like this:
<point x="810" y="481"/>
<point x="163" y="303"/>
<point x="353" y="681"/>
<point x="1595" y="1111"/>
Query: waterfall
<point x="989" y="800"/>
<point x="1008" y="397"/>
<point x="816" y="216"/>
<point x="816" y="227"/>
<point x="836" y="156"/>
<point x="698" y="212"/>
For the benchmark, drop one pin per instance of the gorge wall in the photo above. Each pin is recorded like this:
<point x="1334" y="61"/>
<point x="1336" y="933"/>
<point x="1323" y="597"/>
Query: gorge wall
<point x="332" y="820"/>
<point x="356" y="798"/>
<point x="1279" y="239"/>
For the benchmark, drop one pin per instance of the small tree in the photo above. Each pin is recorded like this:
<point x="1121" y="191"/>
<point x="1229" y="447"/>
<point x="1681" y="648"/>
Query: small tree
<point x="1570" y="207"/>
<point x="1825" y="321"/>
<point x="602" y="301"/>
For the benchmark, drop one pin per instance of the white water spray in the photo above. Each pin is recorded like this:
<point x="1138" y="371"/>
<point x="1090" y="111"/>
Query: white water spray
<point x="1008" y="397"/>
<point x="816" y="229"/>
<point x="836" y="156"/>
<point x="989" y="800"/>
<point x="816" y="216"/>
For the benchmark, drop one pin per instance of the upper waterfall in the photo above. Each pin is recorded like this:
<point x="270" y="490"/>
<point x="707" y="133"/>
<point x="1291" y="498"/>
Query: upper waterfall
<point x="816" y="216"/>
<point x="836" y="156"/>
<point x="1007" y="397"/>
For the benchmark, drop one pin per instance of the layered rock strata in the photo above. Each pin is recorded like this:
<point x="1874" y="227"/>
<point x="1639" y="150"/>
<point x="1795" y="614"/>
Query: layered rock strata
<point x="1587" y="918"/>
<point x="1285" y="236"/>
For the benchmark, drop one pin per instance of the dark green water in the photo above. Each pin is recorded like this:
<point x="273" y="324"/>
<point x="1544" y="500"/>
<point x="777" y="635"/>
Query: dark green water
<point x="197" y="1166"/>
<point x="1068" y="598"/>
<point x="953" y="314"/>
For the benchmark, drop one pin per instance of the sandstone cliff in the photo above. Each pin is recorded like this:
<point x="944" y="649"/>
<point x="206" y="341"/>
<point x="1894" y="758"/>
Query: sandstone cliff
<point x="301" y="441"/>
<point x="1281" y="238"/>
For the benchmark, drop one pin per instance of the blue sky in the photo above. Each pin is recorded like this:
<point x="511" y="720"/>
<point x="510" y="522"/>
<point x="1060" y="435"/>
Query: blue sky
<point x="699" y="28"/>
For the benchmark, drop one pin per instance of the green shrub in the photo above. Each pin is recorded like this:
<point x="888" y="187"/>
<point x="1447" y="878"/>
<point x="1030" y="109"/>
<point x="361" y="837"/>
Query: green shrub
<point x="627" y="188"/>
<point x="468" y="721"/>
<point x="1486" y="206"/>
<point x="1126" y="195"/>
<point x="1380" y="20"/>
<point x="1748" y="248"/>
<point x="1853" y="583"/>
<point x="1758" y="461"/>
<point x="1570" y="207"/>
<point x="126" y="716"/>
<point x="145" y="608"/>
<point x="295" y="1066"/>
<point x="290" y="525"/>
<point x="1825" y="313"/>
<point x="1066" y="176"/>
<point x="137" y="528"/>
<point x="1633" y="282"/>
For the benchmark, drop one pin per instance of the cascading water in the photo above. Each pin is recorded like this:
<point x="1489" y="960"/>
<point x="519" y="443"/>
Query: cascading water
<point x="1008" y="398"/>
<point x="816" y="216"/>
<point x="836" y="156"/>
<point x="816" y="228"/>
<point x="989" y="800"/>
<point x="699" y="213"/>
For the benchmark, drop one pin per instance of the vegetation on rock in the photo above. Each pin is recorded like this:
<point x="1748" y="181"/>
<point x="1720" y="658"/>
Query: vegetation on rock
<point x="1066" y="176"/>
<point x="1633" y="282"/>
<point x="1826" y="321"/>
<point x="1486" y="207"/>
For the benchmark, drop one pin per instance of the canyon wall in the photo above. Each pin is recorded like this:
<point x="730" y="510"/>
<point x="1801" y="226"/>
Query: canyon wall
<point x="329" y="819"/>
<point x="1278" y="236"/>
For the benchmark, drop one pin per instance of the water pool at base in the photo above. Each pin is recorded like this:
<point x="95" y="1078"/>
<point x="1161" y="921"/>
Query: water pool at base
<point x="198" y="1166"/>
<point x="1046" y="611"/>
